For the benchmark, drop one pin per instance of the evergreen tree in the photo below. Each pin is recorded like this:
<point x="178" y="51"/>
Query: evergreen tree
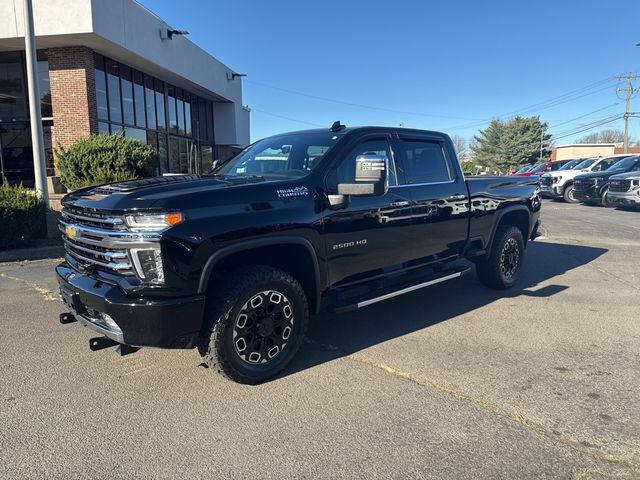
<point x="506" y="145"/>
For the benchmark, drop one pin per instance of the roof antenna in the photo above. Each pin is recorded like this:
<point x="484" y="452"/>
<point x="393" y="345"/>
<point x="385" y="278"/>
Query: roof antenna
<point x="337" y="126"/>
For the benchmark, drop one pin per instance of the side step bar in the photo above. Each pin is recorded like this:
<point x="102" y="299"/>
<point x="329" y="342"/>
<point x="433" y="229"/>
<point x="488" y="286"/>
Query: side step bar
<point x="439" y="278"/>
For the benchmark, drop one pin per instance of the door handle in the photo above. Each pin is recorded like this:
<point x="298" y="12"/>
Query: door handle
<point x="457" y="197"/>
<point x="400" y="203"/>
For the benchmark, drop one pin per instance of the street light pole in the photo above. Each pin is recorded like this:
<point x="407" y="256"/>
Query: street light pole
<point x="37" y="137"/>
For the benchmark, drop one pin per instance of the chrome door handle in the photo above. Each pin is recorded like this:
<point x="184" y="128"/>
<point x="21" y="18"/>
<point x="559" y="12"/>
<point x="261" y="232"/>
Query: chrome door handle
<point x="401" y="203"/>
<point x="457" y="197"/>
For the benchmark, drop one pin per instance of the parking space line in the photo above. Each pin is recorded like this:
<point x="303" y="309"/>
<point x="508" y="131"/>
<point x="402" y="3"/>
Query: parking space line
<point x="44" y="292"/>
<point x="486" y="406"/>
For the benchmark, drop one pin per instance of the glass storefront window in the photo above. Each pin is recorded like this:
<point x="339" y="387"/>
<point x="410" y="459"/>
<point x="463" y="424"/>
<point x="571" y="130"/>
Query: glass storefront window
<point x="136" y="133"/>
<point x="163" y="155"/>
<point x="150" y="100"/>
<point x="162" y="122"/>
<point x="13" y="99"/>
<point x="126" y="81"/>
<point x="138" y="95"/>
<point x="113" y="90"/>
<point x="171" y="107"/>
<point x="140" y="106"/>
<point x="44" y="85"/>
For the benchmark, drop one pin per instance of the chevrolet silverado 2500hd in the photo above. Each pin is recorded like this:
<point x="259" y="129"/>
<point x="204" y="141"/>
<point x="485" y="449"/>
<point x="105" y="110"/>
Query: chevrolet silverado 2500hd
<point x="233" y="262"/>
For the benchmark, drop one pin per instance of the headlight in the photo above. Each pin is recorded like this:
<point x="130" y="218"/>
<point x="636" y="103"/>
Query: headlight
<point x="148" y="264"/>
<point x="556" y="179"/>
<point x="635" y="183"/>
<point x="152" y="222"/>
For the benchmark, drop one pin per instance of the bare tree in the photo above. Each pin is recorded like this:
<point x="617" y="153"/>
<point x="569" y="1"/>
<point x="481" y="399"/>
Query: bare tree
<point x="460" y="146"/>
<point x="604" y="136"/>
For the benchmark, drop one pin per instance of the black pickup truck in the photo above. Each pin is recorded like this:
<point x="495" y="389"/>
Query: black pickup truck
<point x="234" y="262"/>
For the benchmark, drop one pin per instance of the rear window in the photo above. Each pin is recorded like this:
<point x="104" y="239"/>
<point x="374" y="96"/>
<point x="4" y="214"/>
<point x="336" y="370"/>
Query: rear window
<point x="425" y="162"/>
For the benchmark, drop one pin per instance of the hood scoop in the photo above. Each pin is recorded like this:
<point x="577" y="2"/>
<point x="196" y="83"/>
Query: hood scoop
<point x="131" y="185"/>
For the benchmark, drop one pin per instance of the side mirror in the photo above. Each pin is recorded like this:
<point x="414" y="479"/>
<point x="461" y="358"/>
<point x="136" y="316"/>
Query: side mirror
<point x="371" y="176"/>
<point x="216" y="164"/>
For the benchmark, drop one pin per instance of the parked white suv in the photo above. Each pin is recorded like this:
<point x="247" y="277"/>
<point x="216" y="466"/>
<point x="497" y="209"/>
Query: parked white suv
<point x="559" y="184"/>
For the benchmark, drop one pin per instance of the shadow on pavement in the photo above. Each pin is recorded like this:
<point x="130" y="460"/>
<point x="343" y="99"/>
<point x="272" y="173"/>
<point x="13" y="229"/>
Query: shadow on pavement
<point x="355" y="331"/>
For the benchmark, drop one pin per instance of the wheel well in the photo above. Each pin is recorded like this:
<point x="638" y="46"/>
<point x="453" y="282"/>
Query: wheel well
<point x="295" y="259"/>
<point x="518" y="219"/>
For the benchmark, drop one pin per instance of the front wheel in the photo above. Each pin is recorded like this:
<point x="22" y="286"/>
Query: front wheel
<point x="605" y="198"/>
<point x="501" y="269"/>
<point x="255" y="324"/>
<point x="569" y="196"/>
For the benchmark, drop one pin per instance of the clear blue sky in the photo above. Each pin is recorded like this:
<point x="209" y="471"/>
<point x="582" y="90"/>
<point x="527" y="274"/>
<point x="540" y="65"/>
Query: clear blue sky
<point x="467" y="60"/>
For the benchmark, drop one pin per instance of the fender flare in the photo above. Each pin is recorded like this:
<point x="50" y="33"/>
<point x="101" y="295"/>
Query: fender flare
<point x="502" y="213"/>
<point x="224" y="252"/>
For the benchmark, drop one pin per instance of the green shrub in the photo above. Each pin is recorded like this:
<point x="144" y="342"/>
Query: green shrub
<point x="104" y="158"/>
<point x="22" y="216"/>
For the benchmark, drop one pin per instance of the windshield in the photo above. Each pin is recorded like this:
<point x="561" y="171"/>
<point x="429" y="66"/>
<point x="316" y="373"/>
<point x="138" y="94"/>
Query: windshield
<point x="585" y="164"/>
<point x="569" y="165"/>
<point x="524" y="169"/>
<point x="623" y="165"/>
<point x="291" y="155"/>
<point x="539" y="167"/>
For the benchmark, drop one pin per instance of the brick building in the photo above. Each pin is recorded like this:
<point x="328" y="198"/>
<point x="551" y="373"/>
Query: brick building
<point x="113" y="67"/>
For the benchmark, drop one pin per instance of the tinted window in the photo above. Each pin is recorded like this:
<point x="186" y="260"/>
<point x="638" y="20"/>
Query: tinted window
<point x="623" y="165"/>
<point x="347" y="169"/>
<point x="555" y="166"/>
<point x="425" y="162"/>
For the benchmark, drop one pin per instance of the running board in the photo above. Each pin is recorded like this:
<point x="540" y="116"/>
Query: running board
<point x="429" y="281"/>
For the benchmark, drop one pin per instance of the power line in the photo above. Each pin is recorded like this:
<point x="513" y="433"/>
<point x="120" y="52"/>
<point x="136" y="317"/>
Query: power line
<point x="523" y="111"/>
<point x="253" y="109"/>
<point x="582" y="116"/>
<point x="359" y="105"/>
<point x="587" y="127"/>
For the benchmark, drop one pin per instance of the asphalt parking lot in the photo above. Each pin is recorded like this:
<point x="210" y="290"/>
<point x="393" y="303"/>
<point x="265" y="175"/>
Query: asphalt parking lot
<point x="455" y="381"/>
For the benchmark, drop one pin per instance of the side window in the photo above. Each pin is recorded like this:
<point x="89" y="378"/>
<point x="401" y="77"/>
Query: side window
<point x="425" y="162"/>
<point x="636" y="167"/>
<point x="347" y="169"/>
<point x="599" y="167"/>
<point x="555" y="166"/>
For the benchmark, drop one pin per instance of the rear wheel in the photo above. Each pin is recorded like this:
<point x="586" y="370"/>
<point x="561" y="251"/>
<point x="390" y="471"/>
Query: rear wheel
<point x="256" y="322"/>
<point x="501" y="269"/>
<point x="568" y="195"/>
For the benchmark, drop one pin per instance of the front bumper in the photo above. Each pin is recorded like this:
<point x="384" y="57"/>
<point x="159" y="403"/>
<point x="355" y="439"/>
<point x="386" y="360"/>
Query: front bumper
<point x="630" y="198"/>
<point x="550" y="191"/>
<point x="592" y="194"/>
<point x="140" y="322"/>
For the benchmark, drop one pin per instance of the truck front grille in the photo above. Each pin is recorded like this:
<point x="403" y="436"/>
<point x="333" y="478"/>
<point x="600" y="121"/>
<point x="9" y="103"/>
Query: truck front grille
<point x="98" y="240"/>
<point x="583" y="184"/>
<point x="546" y="181"/>
<point x="620" y="186"/>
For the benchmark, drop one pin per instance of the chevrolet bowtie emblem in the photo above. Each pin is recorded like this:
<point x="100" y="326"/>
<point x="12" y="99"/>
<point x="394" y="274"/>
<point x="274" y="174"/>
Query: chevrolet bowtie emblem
<point x="71" y="231"/>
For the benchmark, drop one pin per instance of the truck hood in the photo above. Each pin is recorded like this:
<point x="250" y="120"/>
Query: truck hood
<point x="626" y="176"/>
<point x="595" y="175"/>
<point x="151" y="193"/>
<point x="564" y="174"/>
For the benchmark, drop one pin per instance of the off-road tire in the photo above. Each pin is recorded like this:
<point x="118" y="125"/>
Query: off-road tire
<point x="495" y="271"/>
<point x="225" y="301"/>
<point x="567" y="195"/>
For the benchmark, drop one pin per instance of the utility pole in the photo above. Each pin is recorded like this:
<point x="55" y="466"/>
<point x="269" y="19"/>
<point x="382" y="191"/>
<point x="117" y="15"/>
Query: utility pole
<point x="629" y="93"/>
<point x="37" y="137"/>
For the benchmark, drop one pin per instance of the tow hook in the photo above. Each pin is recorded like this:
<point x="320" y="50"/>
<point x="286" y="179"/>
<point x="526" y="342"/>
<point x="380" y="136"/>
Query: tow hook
<point x="100" y="343"/>
<point x="66" y="318"/>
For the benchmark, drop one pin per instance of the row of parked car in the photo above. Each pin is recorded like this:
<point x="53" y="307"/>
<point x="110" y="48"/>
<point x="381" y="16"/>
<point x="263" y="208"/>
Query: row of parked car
<point x="609" y="181"/>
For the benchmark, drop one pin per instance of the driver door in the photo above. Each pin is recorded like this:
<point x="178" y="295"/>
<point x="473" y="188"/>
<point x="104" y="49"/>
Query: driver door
<point x="367" y="233"/>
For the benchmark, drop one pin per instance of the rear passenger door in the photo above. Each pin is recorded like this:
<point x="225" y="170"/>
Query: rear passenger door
<point x="439" y="196"/>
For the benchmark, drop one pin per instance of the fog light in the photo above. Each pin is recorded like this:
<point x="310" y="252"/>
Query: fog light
<point x="148" y="264"/>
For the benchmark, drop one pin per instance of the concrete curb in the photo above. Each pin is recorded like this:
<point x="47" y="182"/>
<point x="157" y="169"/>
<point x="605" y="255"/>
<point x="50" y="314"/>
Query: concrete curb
<point x="33" y="253"/>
